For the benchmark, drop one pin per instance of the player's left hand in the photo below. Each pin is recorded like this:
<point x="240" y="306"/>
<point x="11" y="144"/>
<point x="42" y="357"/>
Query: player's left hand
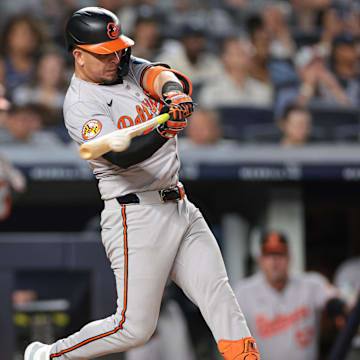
<point x="183" y="100"/>
<point x="175" y="124"/>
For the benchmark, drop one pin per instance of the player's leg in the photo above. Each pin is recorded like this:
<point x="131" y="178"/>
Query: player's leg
<point x="200" y="271"/>
<point x="141" y="264"/>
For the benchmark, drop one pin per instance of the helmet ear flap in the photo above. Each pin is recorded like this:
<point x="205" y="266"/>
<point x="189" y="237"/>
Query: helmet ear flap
<point x="124" y="62"/>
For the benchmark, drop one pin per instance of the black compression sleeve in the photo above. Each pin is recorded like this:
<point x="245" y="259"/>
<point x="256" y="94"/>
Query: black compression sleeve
<point x="141" y="148"/>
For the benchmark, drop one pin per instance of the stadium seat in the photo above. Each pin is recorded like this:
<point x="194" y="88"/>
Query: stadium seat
<point x="335" y="124"/>
<point x="249" y="124"/>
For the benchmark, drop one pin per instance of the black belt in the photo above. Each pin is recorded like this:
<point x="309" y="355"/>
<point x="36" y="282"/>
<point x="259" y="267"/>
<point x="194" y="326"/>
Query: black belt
<point x="176" y="193"/>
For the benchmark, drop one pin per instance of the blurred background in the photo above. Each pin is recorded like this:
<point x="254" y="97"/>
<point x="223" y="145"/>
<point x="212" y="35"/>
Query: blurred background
<point x="273" y="144"/>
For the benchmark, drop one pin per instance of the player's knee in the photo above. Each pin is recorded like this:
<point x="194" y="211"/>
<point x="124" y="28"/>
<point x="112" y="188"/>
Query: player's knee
<point x="142" y="336"/>
<point x="139" y="331"/>
<point x="133" y="336"/>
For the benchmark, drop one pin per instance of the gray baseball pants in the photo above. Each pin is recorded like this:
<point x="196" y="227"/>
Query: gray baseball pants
<point x="146" y="243"/>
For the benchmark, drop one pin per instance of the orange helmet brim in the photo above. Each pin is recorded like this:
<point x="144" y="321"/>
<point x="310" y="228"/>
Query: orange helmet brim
<point x="109" y="47"/>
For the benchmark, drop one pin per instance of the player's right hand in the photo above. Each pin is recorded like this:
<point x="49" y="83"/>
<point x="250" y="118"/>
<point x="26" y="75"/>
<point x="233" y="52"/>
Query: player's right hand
<point x="176" y="123"/>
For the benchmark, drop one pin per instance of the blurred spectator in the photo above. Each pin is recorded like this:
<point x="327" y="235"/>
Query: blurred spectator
<point x="183" y="12"/>
<point x="4" y="107"/>
<point x="240" y="10"/>
<point x="47" y="88"/>
<point x="129" y="11"/>
<point x="191" y="57"/>
<point x="215" y="21"/>
<point x="272" y="69"/>
<point x="10" y="179"/>
<point x="219" y="21"/>
<point x="10" y="7"/>
<point x="171" y="338"/>
<point x="204" y="129"/>
<point x="282" y="310"/>
<point x="23" y="125"/>
<point x="344" y="64"/>
<point x="338" y="19"/>
<point x="295" y="126"/>
<point x="260" y="41"/>
<point x="235" y="87"/>
<point x="347" y="279"/>
<point x="316" y="84"/>
<point x="275" y="25"/>
<point x="22" y="297"/>
<point x="306" y="14"/>
<point x="113" y="5"/>
<point x="126" y="11"/>
<point x="22" y="40"/>
<point x="147" y="38"/>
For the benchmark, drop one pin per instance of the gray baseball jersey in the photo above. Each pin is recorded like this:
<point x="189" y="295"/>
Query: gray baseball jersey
<point x="92" y="110"/>
<point x="285" y="323"/>
<point x="146" y="242"/>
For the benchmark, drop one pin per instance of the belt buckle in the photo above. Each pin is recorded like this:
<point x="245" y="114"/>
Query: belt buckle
<point x="165" y="192"/>
<point x="179" y="190"/>
<point x="162" y="195"/>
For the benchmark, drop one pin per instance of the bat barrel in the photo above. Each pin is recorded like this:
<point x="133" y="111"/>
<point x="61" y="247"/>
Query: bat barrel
<point x="85" y="153"/>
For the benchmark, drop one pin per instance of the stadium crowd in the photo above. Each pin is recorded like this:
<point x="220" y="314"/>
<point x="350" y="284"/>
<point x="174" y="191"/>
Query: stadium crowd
<point x="240" y="54"/>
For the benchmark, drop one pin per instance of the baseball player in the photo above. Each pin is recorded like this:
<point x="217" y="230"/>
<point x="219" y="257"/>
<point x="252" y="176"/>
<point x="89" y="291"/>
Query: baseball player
<point x="282" y="310"/>
<point x="150" y="230"/>
<point x="10" y="179"/>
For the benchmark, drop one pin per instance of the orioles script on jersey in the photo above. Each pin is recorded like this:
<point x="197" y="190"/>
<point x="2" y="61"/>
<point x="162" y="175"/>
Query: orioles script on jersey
<point x="148" y="109"/>
<point x="267" y="328"/>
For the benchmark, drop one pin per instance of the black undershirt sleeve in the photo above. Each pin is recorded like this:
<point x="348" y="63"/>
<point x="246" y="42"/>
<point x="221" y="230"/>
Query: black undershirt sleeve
<point x="140" y="149"/>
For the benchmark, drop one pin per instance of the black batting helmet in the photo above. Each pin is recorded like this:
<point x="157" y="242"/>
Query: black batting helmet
<point x="96" y="30"/>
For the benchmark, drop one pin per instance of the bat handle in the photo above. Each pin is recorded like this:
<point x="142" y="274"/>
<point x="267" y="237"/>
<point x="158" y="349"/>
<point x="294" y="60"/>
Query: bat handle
<point x="139" y="129"/>
<point x="162" y="118"/>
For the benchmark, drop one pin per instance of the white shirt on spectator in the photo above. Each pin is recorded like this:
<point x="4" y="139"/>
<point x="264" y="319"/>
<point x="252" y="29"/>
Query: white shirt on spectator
<point x="223" y="91"/>
<point x="205" y="68"/>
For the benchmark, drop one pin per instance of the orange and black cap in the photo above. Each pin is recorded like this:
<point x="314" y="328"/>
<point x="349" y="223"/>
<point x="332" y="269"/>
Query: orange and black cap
<point x="96" y="30"/>
<point x="274" y="242"/>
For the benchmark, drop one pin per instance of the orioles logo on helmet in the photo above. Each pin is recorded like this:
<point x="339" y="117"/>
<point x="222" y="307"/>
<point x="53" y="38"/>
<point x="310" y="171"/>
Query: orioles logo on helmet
<point x="112" y="30"/>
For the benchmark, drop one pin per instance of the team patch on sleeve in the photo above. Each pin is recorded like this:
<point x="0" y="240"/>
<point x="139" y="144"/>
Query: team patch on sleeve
<point x="91" y="129"/>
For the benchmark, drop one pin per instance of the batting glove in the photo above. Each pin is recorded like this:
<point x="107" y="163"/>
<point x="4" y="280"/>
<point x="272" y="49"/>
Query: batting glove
<point x="243" y="349"/>
<point x="179" y="106"/>
<point x="181" y="99"/>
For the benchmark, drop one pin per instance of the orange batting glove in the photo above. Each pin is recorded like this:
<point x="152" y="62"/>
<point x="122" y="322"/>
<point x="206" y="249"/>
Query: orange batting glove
<point x="183" y="100"/>
<point x="175" y="124"/>
<point x="179" y="106"/>
<point x="243" y="349"/>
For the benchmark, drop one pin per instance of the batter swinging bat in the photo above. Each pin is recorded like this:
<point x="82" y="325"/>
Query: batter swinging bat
<point x="118" y="140"/>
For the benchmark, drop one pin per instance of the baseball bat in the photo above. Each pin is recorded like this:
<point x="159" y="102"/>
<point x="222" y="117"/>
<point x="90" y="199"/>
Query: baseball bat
<point x="118" y="140"/>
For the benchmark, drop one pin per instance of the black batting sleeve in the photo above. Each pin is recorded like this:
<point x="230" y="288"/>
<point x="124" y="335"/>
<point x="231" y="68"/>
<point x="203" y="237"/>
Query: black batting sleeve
<point x="140" y="149"/>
